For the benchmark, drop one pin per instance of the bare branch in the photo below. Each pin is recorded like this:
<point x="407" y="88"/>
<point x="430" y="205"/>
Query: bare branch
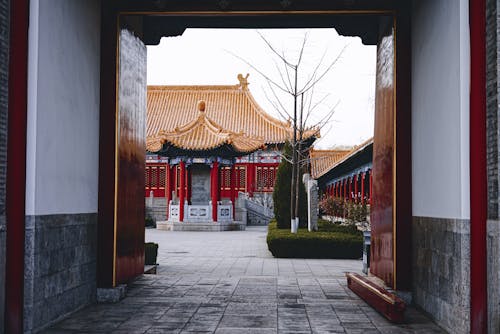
<point x="261" y="73"/>
<point x="274" y="50"/>
<point x="314" y="82"/>
<point x="287" y="72"/>
<point x="327" y="118"/>
<point x="302" y="49"/>
<point x="278" y="107"/>
<point x="289" y="88"/>
<point x="316" y="105"/>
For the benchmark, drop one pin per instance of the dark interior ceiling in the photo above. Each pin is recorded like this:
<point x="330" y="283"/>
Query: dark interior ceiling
<point x="363" y="26"/>
<point x="162" y="18"/>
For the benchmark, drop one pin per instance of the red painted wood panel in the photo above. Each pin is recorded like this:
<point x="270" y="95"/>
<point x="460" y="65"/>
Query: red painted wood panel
<point x="478" y="176"/>
<point x="16" y="167"/>
<point x="107" y="145"/>
<point x="382" y="245"/>
<point x="129" y="256"/>
<point x="403" y="200"/>
<point x="156" y="179"/>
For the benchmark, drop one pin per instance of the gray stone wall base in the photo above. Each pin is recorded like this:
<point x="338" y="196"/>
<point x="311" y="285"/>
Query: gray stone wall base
<point x="156" y="208"/>
<point x="441" y="271"/>
<point x="493" y="249"/>
<point x="2" y="277"/>
<point x="60" y="267"/>
<point x="111" y="295"/>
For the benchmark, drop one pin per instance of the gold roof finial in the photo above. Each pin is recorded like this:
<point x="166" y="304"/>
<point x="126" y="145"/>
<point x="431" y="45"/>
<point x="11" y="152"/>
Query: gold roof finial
<point x="243" y="80"/>
<point x="202" y="105"/>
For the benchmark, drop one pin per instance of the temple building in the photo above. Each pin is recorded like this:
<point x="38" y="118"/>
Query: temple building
<point x="344" y="174"/>
<point x="207" y="145"/>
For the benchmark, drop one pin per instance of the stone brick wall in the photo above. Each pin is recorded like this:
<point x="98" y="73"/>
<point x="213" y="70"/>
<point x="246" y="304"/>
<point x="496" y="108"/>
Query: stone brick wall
<point x="4" y="69"/>
<point x="60" y="267"/>
<point x="492" y="55"/>
<point x="492" y="112"/>
<point x="441" y="270"/>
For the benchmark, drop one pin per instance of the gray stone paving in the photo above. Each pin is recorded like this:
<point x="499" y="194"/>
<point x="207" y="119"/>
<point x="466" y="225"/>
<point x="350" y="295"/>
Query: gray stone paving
<point x="227" y="282"/>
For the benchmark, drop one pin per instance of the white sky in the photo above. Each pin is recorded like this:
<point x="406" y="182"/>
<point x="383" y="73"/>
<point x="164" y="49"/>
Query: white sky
<point x="203" y="57"/>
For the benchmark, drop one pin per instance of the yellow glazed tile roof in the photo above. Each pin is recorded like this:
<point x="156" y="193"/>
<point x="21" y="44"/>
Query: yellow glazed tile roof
<point x="231" y="107"/>
<point x="203" y="134"/>
<point x="323" y="161"/>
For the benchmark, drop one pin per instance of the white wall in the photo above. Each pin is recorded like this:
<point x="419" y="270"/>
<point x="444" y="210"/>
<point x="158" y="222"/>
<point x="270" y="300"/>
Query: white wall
<point x="440" y="108"/>
<point x="63" y="107"/>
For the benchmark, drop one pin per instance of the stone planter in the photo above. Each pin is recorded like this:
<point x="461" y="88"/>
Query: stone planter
<point x="366" y="250"/>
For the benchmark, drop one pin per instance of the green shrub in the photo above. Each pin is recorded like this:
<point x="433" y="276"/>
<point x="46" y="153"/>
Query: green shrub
<point x="356" y="212"/>
<point x="331" y="241"/>
<point x="282" y="193"/>
<point x="150" y="253"/>
<point x="333" y="206"/>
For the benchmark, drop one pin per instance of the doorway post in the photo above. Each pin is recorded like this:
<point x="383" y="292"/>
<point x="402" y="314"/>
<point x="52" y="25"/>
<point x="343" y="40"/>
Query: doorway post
<point x="182" y="189"/>
<point x="214" y="187"/>
<point x="478" y="176"/>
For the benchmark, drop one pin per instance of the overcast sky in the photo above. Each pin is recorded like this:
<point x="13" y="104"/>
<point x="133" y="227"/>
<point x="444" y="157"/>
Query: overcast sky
<point x="207" y="57"/>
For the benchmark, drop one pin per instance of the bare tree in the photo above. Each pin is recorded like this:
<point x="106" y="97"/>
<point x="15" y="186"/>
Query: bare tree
<point x="302" y="93"/>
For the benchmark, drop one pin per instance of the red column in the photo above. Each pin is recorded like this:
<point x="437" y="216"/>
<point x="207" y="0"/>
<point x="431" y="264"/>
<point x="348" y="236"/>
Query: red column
<point x="363" y="188"/>
<point x="168" y="187"/>
<point x="478" y="164"/>
<point x="182" y="188"/>
<point x="232" y="183"/>
<point x="344" y="182"/>
<point x="356" y="197"/>
<point x="350" y="189"/>
<point x="188" y="184"/>
<point x="214" y="188"/>
<point x="16" y="167"/>
<point x="371" y="186"/>
<point x="250" y="179"/>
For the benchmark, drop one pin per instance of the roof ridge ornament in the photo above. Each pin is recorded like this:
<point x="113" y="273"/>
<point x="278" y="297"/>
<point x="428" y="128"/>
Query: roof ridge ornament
<point x="243" y="80"/>
<point x="202" y="105"/>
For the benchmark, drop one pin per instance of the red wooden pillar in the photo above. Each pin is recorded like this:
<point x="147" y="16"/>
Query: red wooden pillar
<point x="182" y="188"/>
<point x="168" y="188"/>
<point x="363" y="188"/>
<point x="188" y="184"/>
<point x="16" y="167"/>
<point x="350" y="189"/>
<point x="371" y="186"/>
<point x="337" y="192"/>
<point x="232" y="186"/>
<point x="356" y="197"/>
<point x="344" y="182"/>
<point x="478" y="163"/>
<point x="214" y="188"/>
<point x="250" y="179"/>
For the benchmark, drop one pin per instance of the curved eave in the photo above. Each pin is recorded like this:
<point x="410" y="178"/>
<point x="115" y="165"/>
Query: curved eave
<point x="223" y="151"/>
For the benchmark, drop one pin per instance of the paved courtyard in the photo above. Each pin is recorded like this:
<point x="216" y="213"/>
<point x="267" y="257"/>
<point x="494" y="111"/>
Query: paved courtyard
<point x="228" y="282"/>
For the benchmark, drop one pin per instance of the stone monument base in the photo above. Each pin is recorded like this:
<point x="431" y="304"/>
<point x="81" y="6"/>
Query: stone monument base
<point x="207" y="226"/>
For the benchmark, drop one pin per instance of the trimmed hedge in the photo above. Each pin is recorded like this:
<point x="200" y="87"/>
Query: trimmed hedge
<point x="329" y="242"/>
